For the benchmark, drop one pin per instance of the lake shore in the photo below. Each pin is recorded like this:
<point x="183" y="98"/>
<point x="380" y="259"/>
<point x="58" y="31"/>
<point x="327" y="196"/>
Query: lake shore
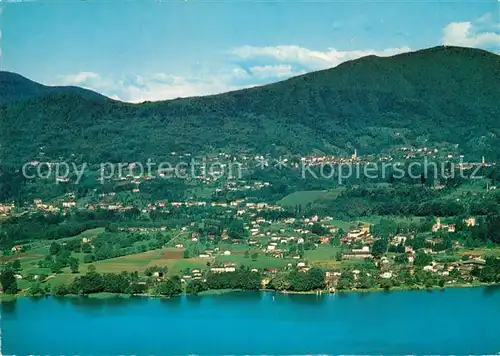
<point x="212" y="292"/>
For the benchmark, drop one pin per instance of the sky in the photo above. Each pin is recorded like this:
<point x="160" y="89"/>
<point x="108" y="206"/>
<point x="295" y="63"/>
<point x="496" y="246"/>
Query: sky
<point x="155" y="50"/>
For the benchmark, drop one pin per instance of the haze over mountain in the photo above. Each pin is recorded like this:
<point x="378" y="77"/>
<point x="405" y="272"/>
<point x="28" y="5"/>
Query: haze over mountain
<point x="442" y="94"/>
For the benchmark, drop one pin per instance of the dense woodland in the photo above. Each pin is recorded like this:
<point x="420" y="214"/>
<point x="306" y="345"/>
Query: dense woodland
<point x="371" y="104"/>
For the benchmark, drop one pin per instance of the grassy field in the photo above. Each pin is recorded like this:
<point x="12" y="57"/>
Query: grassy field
<point x="375" y="219"/>
<point x="90" y="233"/>
<point x="472" y="186"/>
<point x="141" y="261"/>
<point x="262" y="261"/>
<point x="484" y="252"/>
<point x="301" y="198"/>
<point x="344" y="225"/>
<point x="323" y="252"/>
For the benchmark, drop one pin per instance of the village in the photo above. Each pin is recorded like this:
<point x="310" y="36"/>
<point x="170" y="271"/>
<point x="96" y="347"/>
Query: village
<point x="218" y="224"/>
<point x="270" y="246"/>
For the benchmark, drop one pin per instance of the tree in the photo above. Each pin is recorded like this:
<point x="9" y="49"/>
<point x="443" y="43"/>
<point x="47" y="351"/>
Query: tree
<point x="8" y="281"/>
<point x="86" y="248"/>
<point x="74" y="265"/>
<point x="169" y="288"/>
<point x="491" y="270"/>
<point x="422" y="259"/>
<point x="402" y="258"/>
<point x="54" y="248"/>
<point x="16" y="265"/>
<point x="186" y="253"/>
<point x="36" y="289"/>
<point x="91" y="268"/>
<point x="236" y="229"/>
<point x="338" y="256"/>
<point x="280" y="282"/>
<point x="386" y="283"/>
<point x="57" y="266"/>
<point x="379" y="248"/>
<point x="88" y="258"/>
<point x="365" y="281"/>
<point x="60" y="289"/>
<point x="90" y="283"/>
<point x="316" y="278"/>
<point x="195" y="286"/>
<point x="116" y="283"/>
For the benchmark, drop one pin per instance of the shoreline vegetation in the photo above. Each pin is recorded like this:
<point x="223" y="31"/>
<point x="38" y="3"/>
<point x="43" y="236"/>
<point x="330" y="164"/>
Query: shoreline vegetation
<point x="214" y="292"/>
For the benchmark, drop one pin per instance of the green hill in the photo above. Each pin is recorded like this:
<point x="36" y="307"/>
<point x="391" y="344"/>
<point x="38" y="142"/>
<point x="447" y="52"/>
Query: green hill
<point x="441" y="94"/>
<point x="15" y="87"/>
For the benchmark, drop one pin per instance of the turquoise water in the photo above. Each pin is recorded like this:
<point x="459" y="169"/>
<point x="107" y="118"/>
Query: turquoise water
<point x="454" y="321"/>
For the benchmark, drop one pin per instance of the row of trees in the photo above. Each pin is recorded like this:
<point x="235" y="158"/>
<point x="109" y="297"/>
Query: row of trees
<point x="298" y="281"/>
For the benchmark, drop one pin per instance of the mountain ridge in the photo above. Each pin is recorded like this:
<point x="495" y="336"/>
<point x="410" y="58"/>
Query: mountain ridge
<point x="15" y="87"/>
<point x="53" y="89"/>
<point x="373" y="104"/>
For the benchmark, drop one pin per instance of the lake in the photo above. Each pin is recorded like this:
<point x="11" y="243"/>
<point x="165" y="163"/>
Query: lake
<point x="452" y="321"/>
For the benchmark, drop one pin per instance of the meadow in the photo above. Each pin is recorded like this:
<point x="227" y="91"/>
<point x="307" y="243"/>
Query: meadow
<point x="301" y="198"/>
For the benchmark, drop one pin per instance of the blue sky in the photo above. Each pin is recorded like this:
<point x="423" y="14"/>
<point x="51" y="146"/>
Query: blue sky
<point x="153" y="50"/>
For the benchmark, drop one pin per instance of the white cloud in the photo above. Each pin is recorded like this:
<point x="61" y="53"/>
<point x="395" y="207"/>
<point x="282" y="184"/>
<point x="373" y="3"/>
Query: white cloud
<point x="274" y="71"/>
<point x="158" y="86"/>
<point x="310" y="59"/>
<point x="80" y="78"/>
<point x="481" y="33"/>
<point x="274" y="64"/>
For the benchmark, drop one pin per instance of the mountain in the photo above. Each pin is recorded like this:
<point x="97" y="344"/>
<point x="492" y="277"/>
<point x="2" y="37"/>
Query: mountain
<point x="442" y="95"/>
<point x="15" y="87"/>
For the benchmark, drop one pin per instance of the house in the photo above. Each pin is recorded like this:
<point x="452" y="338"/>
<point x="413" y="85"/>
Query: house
<point x="428" y="268"/>
<point x="227" y="253"/>
<point x="6" y="208"/>
<point x="398" y="240"/>
<point x="264" y="282"/>
<point x="386" y="275"/>
<point x="158" y="274"/>
<point x="361" y="253"/>
<point x="17" y="248"/>
<point x="438" y="226"/>
<point x="301" y="264"/>
<point x="325" y="240"/>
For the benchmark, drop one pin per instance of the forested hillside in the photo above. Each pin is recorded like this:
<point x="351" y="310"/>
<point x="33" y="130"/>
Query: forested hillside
<point x="442" y="94"/>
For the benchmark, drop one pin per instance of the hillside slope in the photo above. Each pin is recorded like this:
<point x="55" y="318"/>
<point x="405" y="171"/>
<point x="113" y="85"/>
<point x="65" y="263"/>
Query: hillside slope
<point x="442" y="94"/>
<point x="15" y="87"/>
